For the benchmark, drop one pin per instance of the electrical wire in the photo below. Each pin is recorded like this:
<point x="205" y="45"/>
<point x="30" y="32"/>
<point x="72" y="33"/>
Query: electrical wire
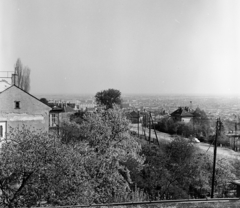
<point x="210" y="146"/>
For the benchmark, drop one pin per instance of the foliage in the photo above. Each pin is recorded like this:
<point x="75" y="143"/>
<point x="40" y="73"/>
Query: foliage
<point x="108" y="98"/>
<point x="179" y="170"/>
<point x="236" y="165"/>
<point x="44" y="100"/>
<point x="223" y="140"/>
<point x="71" y="132"/>
<point x="115" y="154"/>
<point x="77" y="117"/>
<point x="23" y="76"/>
<point x="96" y="160"/>
<point x="37" y="167"/>
<point x="199" y="126"/>
<point x="165" y="168"/>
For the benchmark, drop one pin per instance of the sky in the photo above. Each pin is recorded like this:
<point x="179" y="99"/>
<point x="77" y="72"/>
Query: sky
<point x="135" y="46"/>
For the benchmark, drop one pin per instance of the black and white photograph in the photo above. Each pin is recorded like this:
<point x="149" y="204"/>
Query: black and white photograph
<point x="120" y="103"/>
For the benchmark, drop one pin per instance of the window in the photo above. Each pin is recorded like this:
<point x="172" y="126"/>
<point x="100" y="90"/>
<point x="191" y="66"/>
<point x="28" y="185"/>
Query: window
<point x="17" y="104"/>
<point x="53" y="120"/>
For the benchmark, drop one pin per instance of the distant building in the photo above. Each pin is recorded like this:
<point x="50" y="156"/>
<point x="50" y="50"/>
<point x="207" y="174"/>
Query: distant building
<point x="58" y="114"/>
<point x="234" y="140"/>
<point x="133" y="117"/>
<point x="184" y="114"/>
<point x="89" y="104"/>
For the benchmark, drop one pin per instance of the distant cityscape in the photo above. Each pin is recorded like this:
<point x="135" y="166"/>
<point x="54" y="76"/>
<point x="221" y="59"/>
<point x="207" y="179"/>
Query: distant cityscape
<point x="228" y="108"/>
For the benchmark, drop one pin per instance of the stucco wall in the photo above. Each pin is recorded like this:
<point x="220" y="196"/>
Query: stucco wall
<point x="186" y="120"/>
<point x="32" y="113"/>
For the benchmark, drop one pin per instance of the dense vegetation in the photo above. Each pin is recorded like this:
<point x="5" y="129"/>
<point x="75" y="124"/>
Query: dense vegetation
<point x="108" y="98"/>
<point x="179" y="170"/>
<point x="96" y="160"/>
<point x="22" y="76"/>
<point x="199" y="126"/>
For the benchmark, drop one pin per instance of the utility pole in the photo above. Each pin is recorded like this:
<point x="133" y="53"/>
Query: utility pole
<point x="149" y="127"/>
<point x="155" y="130"/>
<point x="235" y="135"/>
<point x="143" y="130"/>
<point x="144" y="124"/>
<point x="138" y="122"/>
<point x="218" y="129"/>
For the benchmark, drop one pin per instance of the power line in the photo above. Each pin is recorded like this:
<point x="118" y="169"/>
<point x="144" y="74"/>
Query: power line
<point x="209" y="146"/>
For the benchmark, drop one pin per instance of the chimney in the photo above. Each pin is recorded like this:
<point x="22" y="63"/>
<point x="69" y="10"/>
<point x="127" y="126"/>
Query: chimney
<point x="14" y="79"/>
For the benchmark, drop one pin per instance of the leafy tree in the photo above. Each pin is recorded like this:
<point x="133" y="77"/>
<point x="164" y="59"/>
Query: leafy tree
<point x="166" y="169"/>
<point x="23" y="76"/>
<point x="71" y="132"/>
<point x="114" y="156"/>
<point x="108" y="98"/>
<point x="37" y="167"/>
<point x="78" y="117"/>
<point x="114" y="152"/>
<point x="44" y="100"/>
<point x="178" y="169"/>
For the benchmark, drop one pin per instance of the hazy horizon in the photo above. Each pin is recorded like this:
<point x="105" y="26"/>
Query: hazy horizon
<point x="41" y="95"/>
<point x="165" y="47"/>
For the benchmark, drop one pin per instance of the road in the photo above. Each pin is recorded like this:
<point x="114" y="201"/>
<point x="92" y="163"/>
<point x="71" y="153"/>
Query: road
<point x="221" y="151"/>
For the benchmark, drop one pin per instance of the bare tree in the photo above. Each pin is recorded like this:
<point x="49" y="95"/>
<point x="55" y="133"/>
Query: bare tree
<point x="23" y="76"/>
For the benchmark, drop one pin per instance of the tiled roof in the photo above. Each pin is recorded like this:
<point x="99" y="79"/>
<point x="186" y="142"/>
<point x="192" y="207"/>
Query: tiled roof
<point x="133" y="114"/>
<point x="181" y="112"/>
<point x="186" y="114"/>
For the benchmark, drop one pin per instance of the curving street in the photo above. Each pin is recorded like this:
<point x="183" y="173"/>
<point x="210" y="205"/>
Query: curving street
<point x="221" y="151"/>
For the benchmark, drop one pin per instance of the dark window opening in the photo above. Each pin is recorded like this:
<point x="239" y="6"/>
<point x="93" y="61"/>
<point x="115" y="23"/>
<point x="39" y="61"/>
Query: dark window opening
<point x="17" y="104"/>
